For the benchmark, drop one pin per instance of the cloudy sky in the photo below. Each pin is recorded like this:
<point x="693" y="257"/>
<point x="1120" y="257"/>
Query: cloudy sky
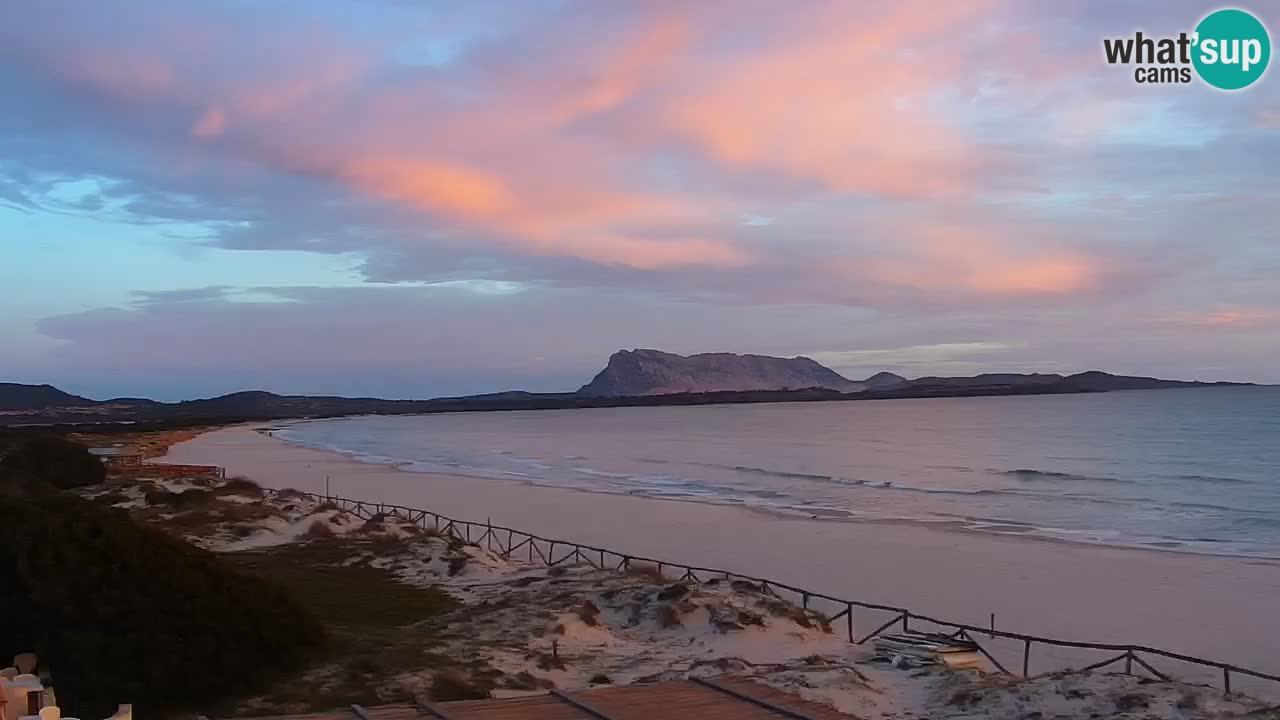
<point x="408" y="198"/>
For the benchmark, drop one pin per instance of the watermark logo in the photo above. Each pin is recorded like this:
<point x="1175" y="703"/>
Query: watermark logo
<point x="1229" y="49"/>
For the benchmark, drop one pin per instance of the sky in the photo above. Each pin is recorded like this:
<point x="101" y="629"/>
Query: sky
<point x="410" y="199"/>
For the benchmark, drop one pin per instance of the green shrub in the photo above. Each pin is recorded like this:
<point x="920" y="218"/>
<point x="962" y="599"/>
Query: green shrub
<point x="55" y="461"/>
<point x="122" y="613"/>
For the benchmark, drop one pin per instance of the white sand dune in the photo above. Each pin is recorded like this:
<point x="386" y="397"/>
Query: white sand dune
<point x="1217" y="607"/>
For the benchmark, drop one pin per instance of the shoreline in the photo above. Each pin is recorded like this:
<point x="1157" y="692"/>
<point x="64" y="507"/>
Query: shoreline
<point x="515" y="627"/>
<point x="1212" y="606"/>
<point x="963" y="526"/>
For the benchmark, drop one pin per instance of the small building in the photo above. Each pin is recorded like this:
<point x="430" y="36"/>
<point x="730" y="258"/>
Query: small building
<point x="117" y="456"/>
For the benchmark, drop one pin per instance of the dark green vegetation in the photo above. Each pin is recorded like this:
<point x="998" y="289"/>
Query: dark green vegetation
<point x="338" y="595"/>
<point x="122" y="613"/>
<point x="374" y="623"/>
<point x="48" y="460"/>
<point x="450" y="686"/>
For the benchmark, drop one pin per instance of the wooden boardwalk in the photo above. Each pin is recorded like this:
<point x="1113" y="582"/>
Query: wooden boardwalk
<point x="720" y="698"/>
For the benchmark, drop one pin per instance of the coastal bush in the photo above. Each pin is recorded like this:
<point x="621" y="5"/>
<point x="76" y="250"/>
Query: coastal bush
<point x="647" y="571"/>
<point x="359" y="599"/>
<point x="241" y="486"/>
<point x="589" y="612"/>
<point x="449" y="686"/>
<point x="456" y="564"/>
<point x="54" y="461"/>
<point x="185" y="500"/>
<point x="668" y="616"/>
<point x="673" y="592"/>
<point x="318" y="529"/>
<point x="123" y="613"/>
<point x="1132" y="701"/>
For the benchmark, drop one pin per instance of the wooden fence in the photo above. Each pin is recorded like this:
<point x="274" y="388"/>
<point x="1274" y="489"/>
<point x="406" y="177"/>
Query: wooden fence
<point x="520" y="545"/>
<point x="169" y="470"/>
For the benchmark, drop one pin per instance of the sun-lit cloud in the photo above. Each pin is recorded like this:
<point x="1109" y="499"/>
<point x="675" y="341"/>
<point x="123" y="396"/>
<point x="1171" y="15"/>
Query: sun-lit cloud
<point x="211" y="124"/>
<point x="1244" y="318"/>
<point x="449" y="189"/>
<point x="495" y="151"/>
<point x="926" y="355"/>
<point x="981" y="260"/>
<point x="843" y="97"/>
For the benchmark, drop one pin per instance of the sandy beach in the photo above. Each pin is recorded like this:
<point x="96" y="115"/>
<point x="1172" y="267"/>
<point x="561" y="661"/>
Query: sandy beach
<point x="1215" y="607"/>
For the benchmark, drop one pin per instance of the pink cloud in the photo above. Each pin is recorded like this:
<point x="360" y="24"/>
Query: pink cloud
<point x="981" y="261"/>
<point x="125" y="74"/>
<point x="556" y="157"/>
<point x="552" y="218"/>
<point x="645" y="59"/>
<point x="841" y="99"/>
<point x="431" y="185"/>
<point x="211" y="124"/>
<point x="495" y="167"/>
<point x="1230" y="318"/>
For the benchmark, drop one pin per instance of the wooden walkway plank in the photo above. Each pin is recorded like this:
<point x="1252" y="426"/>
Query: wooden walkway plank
<point x="427" y="709"/>
<point x="538" y="707"/>
<point x="778" y="699"/>
<point x="743" y="697"/>
<point x="721" y="698"/>
<point x="584" y="707"/>
<point x="393" y="712"/>
<point x="673" y="699"/>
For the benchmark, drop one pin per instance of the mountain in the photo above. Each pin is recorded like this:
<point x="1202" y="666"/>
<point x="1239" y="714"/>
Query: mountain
<point x="1097" y="381"/>
<point x="989" y="379"/>
<point x="633" y="373"/>
<point x="17" y="397"/>
<point x="645" y="377"/>
<point x="884" y="381"/>
<point x="1092" y="381"/>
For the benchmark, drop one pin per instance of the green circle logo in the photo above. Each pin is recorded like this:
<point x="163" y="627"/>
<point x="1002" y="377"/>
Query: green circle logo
<point x="1232" y="49"/>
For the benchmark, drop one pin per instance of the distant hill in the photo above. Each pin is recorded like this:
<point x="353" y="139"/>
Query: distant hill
<point x="884" y="381"/>
<point x="14" y="396"/>
<point x="1092" y="381"/>
<point x="632" y="378"/>
<point x="988" y="379"/>
<point x="637" y="373"/>
<point x="1097" y="381"/>
<point x="653" y="372"/>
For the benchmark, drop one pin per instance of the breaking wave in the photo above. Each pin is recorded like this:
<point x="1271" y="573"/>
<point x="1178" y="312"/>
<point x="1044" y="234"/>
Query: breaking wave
<point x="1028" y="475"/>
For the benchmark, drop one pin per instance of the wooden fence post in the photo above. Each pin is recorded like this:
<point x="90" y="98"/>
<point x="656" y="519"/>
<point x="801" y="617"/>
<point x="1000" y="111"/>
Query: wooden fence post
<point x="450" y="529"/>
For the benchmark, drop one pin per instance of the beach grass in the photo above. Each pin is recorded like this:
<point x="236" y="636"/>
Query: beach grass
<point x="343" y="596"/>
<point x="374" y="621"/>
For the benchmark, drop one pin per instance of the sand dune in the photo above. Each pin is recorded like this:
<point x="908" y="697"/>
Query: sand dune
<point x="1215" y="607"/>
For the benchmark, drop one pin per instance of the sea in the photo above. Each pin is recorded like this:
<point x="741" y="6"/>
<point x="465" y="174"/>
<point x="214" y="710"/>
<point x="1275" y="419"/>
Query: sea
<point x="1188" y="470"/>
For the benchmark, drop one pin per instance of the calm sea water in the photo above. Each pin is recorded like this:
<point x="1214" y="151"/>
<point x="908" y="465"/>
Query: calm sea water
<point x="1196" y="470"/>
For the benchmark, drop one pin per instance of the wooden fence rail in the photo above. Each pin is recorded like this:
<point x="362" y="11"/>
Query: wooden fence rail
<point x="507" y="542"/>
